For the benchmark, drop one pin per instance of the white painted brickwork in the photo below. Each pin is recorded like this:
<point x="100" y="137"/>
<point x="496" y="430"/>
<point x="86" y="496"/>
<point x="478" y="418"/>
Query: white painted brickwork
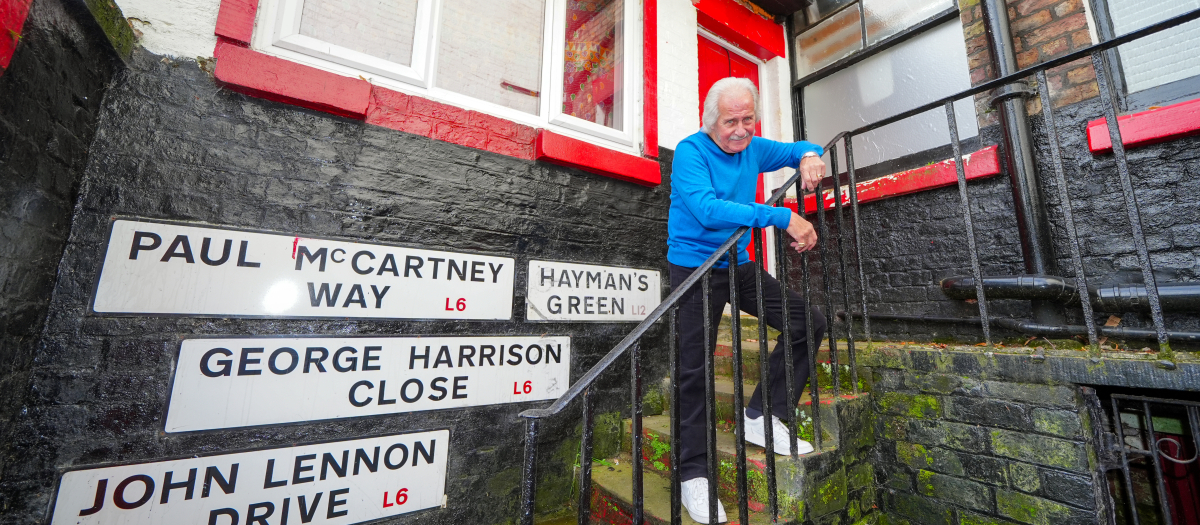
<point x="179" y="28"/>
<point x="678" y="72"/>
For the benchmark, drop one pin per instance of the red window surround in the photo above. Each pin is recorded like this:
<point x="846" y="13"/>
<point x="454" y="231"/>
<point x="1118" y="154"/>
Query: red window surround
<point x="1147" y="127"/>
<point x="981" y="164"/>
<point x="12" y="21"/>
<point x="741" y="27"/>
<point x="247" y="71"/>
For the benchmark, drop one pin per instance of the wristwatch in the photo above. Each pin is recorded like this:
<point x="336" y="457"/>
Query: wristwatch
<point x="810" y="154"/>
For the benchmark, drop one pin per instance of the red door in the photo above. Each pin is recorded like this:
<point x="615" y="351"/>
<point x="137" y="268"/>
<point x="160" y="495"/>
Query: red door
<point x="717" y="62"/>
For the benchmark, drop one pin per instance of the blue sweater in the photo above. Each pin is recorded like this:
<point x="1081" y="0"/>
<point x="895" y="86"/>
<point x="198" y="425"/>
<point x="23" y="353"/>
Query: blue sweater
<point x="712" y="195"/>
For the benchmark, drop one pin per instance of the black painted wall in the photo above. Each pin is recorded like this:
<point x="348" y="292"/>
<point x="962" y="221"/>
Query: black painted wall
<point x="172" y="145"/>
<point x="913" y="241"/>
<point x="49" y="102"/>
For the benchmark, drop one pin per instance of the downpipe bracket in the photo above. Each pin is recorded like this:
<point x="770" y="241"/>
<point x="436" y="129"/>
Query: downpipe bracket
<point x="1019" y="89"/>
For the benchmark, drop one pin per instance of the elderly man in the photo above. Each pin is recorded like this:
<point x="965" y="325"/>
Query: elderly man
<point x="713" y="181"/>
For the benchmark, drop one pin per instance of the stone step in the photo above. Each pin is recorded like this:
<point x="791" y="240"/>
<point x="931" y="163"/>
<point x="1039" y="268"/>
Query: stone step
<point x="656" y="448"/>
<point x="751" y="370"/>
<point x="612" y="498"/>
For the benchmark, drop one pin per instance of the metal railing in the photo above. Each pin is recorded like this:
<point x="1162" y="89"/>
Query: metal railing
<point x="669" y="307"/>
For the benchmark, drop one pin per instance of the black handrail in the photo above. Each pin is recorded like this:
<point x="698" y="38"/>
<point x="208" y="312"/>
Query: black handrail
<point x="593" y="373"/>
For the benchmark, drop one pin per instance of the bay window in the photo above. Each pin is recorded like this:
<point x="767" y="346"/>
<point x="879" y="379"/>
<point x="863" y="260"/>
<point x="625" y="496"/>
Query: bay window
<point x="563" y="65"/>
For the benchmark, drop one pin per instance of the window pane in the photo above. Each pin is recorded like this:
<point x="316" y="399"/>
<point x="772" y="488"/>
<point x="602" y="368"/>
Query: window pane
<point x="379" y="28"/>
<point x="819" y="9"/>
<point x="885" y="18"/>
<point x="594" y="61"/>
<point x="1162" y="57"/>
<point x="492" y="50"/>
<point x="884" y="85"/>
<point x="829" y="41"/>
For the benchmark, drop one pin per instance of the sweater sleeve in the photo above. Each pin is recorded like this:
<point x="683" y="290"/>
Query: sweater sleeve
<point x="691" y="179"/>
<point x="775" y="155"/>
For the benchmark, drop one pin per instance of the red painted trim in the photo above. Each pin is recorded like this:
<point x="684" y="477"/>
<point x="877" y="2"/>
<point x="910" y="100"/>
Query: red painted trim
<point x="650" y="79"/>
<point x="981" y="164"/>
<point x="395" y="110"/>
<point x="1147" y="127"/>
<point x="12" y="21"/>
<point x="272" y="78"/>
<point x="566" y="151"/>
<point x="742" y="27"/>
<point x="235" y="20"/>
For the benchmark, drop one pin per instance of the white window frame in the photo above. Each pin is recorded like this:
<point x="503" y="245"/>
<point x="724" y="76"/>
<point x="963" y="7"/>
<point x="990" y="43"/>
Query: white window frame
<point x="277" y="33"/>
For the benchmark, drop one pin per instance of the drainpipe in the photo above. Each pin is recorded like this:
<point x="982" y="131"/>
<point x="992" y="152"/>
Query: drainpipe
<point x="1018" y="158"/>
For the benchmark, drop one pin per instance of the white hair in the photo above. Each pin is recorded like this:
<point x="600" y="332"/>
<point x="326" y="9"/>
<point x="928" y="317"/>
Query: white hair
<point x="718" y="90"/>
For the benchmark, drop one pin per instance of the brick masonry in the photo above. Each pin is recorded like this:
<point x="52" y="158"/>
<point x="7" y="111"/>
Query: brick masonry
<point x="971" y="438"/>
<point x="171" y="144"/>
<point x="50" y="99"/>
<point x="1042" y="30"/>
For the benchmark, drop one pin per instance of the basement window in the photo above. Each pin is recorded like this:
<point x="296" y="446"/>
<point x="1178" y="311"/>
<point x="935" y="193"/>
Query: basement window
<point x="564" y="65"/>
<point x="1158" y="473"/>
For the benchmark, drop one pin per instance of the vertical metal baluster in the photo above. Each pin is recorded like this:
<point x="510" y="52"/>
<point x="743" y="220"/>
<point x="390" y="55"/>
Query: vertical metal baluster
<point x="585" y="461"/>
<point x="1194" y="421"/>
<point x="976" y="272"/>
<point x="673" y="346"/>
<point x="1059" y="177"/>
<point x="710" y="409"/>
<point x="1120" y="431"/>
<point x="1131" y="206"/>
<point x="823" y="245"/>
<point x="764" y="383"/>
<point x="862" y="278"/>
<point x="528" y="481"/>
<point x="739" y="399"/>
<point x="1152" y="444"/>
<point x="841" y="251"/>
<point x="812" y="343"/>
<point x="789" y="379"/>
<point x="635" y="392"/>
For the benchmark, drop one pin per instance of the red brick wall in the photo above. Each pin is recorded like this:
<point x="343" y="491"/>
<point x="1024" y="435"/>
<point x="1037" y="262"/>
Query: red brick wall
<point x="1042" y="30"/>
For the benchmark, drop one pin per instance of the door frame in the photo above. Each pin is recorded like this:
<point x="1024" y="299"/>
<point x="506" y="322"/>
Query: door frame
<point x="764" y="123"/>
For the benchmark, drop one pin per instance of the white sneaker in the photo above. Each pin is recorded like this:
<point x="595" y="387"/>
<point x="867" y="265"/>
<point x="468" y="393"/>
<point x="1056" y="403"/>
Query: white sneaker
<point x="694" y="495"/>
<point x="755" y="433"/>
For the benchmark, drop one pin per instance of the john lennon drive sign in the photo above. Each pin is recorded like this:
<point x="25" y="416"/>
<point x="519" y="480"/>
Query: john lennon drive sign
<point x="161" y="268"/>
<point x="342" y="482"/>
<point x="227" y="383"/>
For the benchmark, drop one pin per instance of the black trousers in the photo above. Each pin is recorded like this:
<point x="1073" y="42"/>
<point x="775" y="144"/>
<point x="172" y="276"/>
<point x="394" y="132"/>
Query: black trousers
<point x="692" y="441"/>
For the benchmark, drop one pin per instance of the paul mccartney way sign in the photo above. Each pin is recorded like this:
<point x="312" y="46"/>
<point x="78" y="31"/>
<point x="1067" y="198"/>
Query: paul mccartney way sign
<point x="157" y="268"/>
<point x="343" y="482"/>
<point x="585" y="292"/>
<point x="227" y="383"/>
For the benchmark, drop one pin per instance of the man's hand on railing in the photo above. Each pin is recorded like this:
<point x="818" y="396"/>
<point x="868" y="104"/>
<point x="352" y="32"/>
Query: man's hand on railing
<point x="812" y="169"/>
<point x="802" y="231"/>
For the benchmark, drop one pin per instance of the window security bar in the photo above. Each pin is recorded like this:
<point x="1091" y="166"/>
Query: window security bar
<point x="1146" y="444"/>
<point x="668" y="309"/>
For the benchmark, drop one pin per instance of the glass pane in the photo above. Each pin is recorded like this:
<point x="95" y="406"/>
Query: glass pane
<point x="492" y="50"/>
<point x="819" y="9"/>
<point x="593" y="73"/>
<point x="886" y="84"/>
<point x="829" y="41"/>
<point x="885" y="18"/>
<point x="1162" y="57"/>
<point x="379" y="28"/>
